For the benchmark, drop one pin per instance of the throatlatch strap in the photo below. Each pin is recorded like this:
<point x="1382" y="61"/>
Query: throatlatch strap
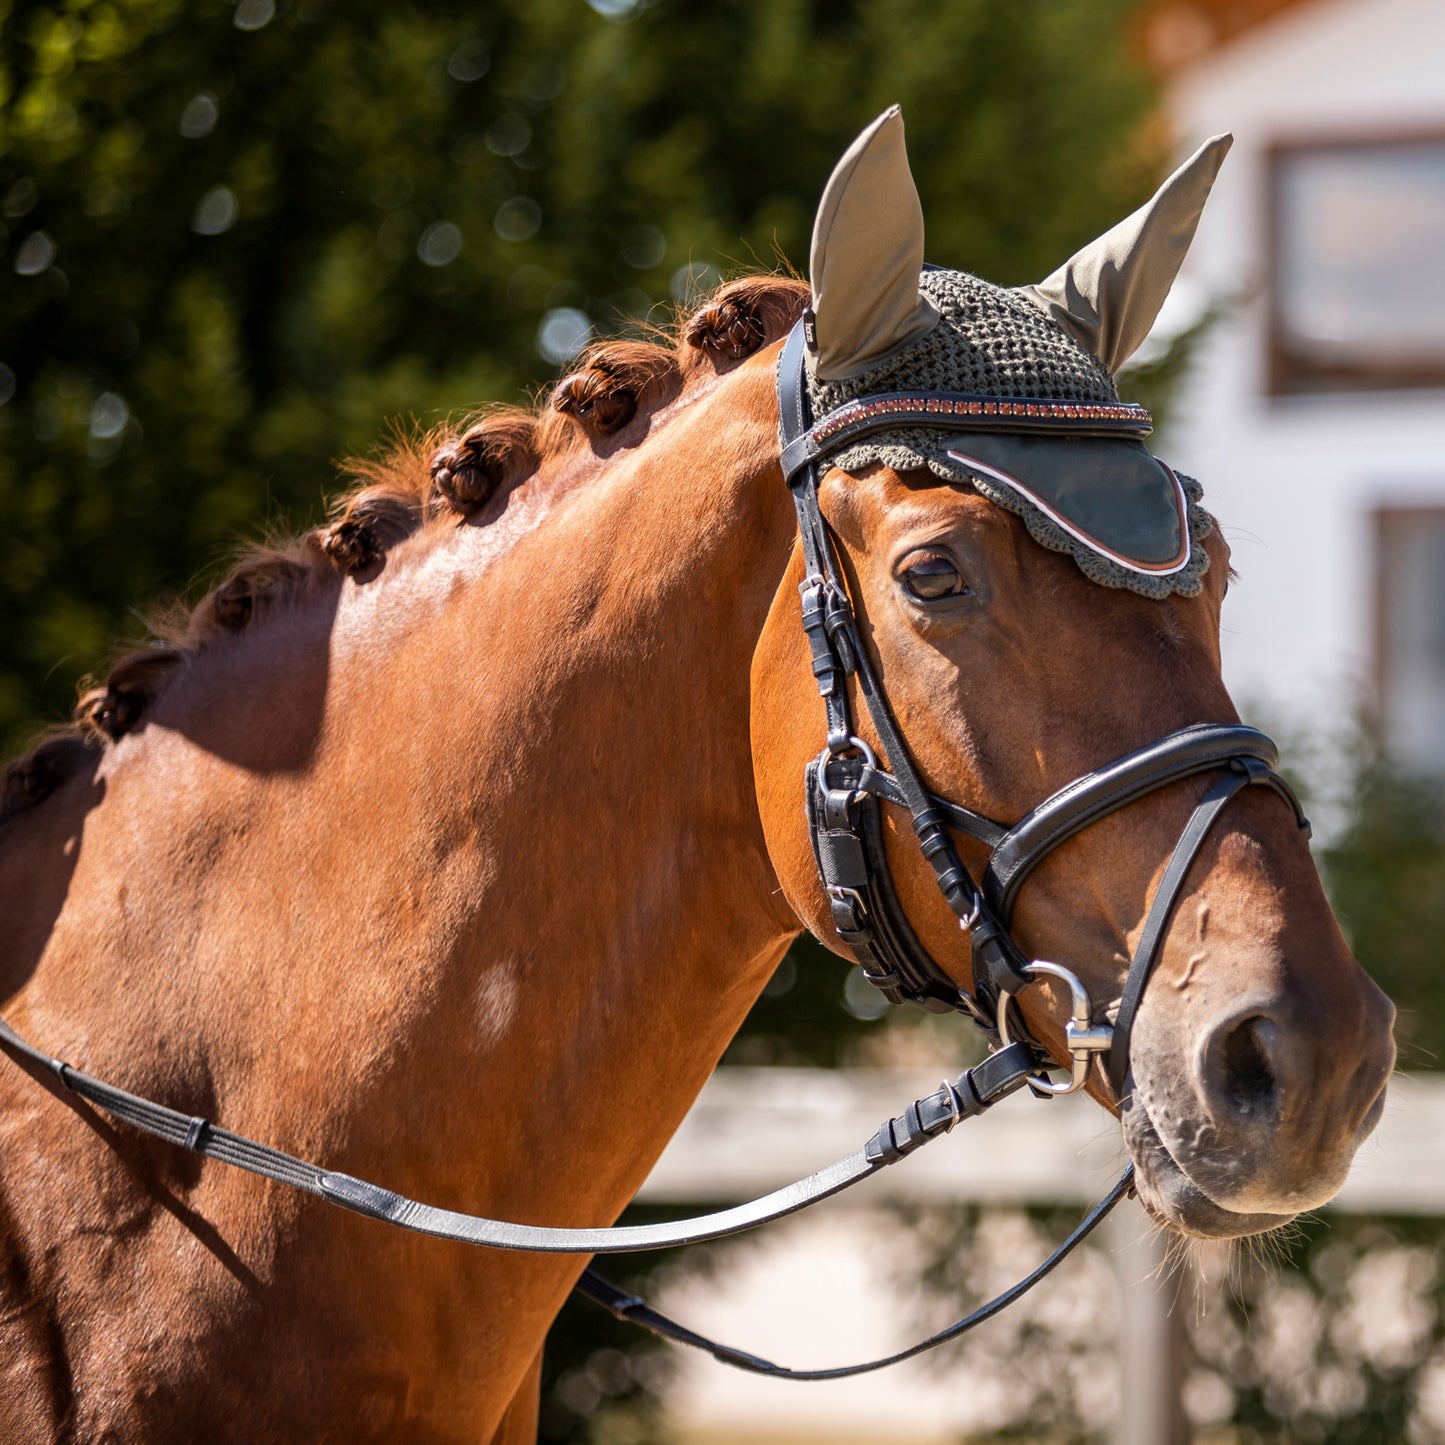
<point x="637" y="1311"/>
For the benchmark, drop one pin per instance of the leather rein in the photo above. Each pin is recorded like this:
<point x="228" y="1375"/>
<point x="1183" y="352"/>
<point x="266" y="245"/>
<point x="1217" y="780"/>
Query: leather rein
<point x="845" y="788"/>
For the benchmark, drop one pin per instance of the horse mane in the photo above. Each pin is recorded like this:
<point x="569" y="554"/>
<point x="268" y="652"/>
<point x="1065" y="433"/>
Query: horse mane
<point x="423" y="481"/>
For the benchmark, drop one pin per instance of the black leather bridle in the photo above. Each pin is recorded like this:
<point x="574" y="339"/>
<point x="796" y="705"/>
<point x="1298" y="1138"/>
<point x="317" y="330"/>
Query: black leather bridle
<point x="845" y="787"/>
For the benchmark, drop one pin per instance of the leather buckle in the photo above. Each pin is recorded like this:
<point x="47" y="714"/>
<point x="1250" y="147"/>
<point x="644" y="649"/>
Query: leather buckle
<point x="850" y="913"/>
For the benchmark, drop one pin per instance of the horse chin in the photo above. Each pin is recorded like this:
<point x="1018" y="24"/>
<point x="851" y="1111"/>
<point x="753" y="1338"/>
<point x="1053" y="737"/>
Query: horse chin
<point x="1172" y="1198"/>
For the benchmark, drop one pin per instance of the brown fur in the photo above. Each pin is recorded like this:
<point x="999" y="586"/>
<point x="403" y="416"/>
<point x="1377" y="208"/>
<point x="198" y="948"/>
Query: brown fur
<point x="457" y="870"/>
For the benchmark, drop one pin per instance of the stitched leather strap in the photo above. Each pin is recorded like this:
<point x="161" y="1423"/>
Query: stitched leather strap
<point x="975" y="1090"/>
<point x="1181" y="754"/>
<point x="868" y="778"/>
<point x="1245" y="771"/>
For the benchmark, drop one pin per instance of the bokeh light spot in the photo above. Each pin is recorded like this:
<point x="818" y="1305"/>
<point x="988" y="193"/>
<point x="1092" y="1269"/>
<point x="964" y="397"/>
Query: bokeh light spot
<point x="694" y="280"/>
<point x="469" y="61"/>
<point x="254" y="14"/>
<point x="199" y="117"/>
<point x="36" y="253"/>
<point x="616" y="9"/>
<point x="440" y="244"/>
<point x="509" y="135"/>
<point x="563" y="333"/>
<point x="518" y="219"/>
<point x="861" y="999"/>
<point x="109" y="415"/>
<point x="216" y="212"/>
<point x="21" y="197"/>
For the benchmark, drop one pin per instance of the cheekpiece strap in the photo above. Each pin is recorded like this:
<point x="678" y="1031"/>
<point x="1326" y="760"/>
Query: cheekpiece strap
<point x="843" y="788"/>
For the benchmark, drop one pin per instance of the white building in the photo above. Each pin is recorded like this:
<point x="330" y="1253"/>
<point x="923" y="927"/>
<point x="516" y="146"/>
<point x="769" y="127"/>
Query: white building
<point x="1315" y="414"/>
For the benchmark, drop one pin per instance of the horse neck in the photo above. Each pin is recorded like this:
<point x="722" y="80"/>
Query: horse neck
<point x="473" y="848"/>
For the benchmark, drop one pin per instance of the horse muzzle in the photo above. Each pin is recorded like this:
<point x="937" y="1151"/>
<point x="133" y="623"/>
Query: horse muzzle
<point x="1260" y="1119"/>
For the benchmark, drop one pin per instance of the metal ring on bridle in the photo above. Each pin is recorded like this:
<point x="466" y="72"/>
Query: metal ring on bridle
<point x="851" y="745"/>
<point x="1083" y="1038"/>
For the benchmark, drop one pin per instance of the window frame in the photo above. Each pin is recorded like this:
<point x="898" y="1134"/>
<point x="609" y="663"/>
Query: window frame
<point x="1388" y="524"/>
<point x="1288" y="373"/>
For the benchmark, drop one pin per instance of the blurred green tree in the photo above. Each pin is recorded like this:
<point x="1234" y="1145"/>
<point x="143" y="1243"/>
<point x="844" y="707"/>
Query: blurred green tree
<point x="238" y="237"/>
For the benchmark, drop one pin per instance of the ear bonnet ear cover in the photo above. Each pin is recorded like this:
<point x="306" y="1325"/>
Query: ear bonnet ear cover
<point x="1126" y="519"/>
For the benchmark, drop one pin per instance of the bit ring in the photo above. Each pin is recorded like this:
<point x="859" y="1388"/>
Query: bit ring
<point x="1083" y="1037"/>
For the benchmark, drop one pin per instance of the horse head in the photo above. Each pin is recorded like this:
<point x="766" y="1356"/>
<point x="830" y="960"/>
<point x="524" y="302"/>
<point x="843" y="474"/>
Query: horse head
<point x="1038" y="596"/>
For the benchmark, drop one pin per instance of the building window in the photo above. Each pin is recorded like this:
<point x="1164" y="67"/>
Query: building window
<point x="1357" y="236"/>
<point x="1410" y="632"/>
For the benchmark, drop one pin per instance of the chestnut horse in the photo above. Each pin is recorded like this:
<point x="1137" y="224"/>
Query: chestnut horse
<point x="450" y="846"/>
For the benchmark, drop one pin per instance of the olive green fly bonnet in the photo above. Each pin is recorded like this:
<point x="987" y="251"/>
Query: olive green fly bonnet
<point x="1032" y="368"/>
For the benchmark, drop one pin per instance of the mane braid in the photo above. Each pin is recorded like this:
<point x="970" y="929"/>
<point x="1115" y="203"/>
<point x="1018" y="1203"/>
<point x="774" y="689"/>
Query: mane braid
<point x="421" y="481"/>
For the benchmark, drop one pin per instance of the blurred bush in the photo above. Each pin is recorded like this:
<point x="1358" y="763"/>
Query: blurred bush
<point x="1336" y="1338"/>
<point x="1384" y="867"/>
<point x="236" y="238"/>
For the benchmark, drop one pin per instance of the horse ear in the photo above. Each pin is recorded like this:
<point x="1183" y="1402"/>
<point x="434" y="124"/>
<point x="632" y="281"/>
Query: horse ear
<point x="1107" y="296"/>
<point x="867" y="256"/>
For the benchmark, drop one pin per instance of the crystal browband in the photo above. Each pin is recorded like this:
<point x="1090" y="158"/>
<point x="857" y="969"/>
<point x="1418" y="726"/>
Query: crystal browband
<point x="1119" y="415"/>
<point x="957" y="412"/>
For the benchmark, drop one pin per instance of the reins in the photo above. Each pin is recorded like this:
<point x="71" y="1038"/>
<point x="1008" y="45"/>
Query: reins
<point x="844" y="789"/>
<point x="975" y="1091"/>
<point x="638" y="1312"/>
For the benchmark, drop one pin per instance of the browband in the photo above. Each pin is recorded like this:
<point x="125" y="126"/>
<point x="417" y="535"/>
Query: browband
<point x="958" y="411"/>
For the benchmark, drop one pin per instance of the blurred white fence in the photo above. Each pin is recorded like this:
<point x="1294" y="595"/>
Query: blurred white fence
<point x="754" y="1129"/>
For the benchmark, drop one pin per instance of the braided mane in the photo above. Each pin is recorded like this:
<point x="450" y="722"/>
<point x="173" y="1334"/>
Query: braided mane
<point x="423" y="482"/>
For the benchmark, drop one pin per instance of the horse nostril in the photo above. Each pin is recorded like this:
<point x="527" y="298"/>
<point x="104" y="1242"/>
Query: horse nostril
<point x="1247" y="1077"/>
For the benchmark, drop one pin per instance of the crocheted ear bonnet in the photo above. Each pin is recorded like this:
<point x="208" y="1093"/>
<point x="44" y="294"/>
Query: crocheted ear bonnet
<point x="885" y="327"/>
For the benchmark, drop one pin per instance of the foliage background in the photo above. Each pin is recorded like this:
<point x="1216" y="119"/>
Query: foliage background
<point x="238" y="236"/>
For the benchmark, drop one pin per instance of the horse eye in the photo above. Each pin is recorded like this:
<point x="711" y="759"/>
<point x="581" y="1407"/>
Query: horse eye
<point x="932" y="576"/>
